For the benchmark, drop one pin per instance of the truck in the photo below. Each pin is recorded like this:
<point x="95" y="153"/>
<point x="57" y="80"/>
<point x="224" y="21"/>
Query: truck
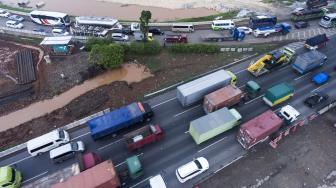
<point x="143" y="136"/>
<point x="224" y="97"/>
<point x="176" y="38"/>
<point x="271" y="61"/>
<point x="278" y="94"/>
<point x="194" y="91"/>
<point x="100" y="176"/>
<point x="320" y="78"/>
<point x="308" y="14"/>
<point x="281" y="28"/>
<point x="10" y="177"/>
<point x="213" y="124"/>
<point x="85" y="161"/>
<point x="311" y="4"/>
<point x="316" y="42"/>
<point x="309" y="61"/>
<point x="265" y="125"/>
<point x="118" y="119"/>
<point x="224" y="35"/>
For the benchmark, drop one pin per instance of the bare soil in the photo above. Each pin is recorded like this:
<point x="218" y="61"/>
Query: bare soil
<point x="305" y="159"/>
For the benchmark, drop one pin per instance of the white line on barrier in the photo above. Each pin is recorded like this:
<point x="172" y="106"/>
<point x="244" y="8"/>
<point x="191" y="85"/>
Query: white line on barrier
<point x="34" y="177"/>
<point x="298" y="78"/>
<point x="186" y="110"/>
<point x="163" y="102"/>
<point x="318" y="88"/>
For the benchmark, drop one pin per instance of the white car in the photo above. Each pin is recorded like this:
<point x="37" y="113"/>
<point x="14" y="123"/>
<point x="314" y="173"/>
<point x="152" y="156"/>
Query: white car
<point x="14" y="24"/>
<point x="247" y="30"/>
<point x="4" y="13"/>
<point x="60" y="32"/>
<point x="192" y="169"/>
<point x="119" y="37"/>
<point x="66" y="151"/>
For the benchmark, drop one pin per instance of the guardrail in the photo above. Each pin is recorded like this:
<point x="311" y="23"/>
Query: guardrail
<point x="22" y="32"/>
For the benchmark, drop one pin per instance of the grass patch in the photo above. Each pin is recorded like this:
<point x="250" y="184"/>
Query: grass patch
<point x="3" y="6"/>
<point x="224" y="15"/>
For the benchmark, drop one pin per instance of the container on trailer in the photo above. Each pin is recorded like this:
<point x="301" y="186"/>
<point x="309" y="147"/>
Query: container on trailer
<point x="118" y="119"/>
<point x="278" y="94"/>
<point x="308" y="61"/>
<point x="224" y="97"/>
<point x="258" y="129"/>
<point x="194" y="91"/>
<point x="213" y="124"/>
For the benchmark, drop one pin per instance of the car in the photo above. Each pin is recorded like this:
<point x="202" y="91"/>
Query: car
<point x="301" y="24"/>
<point x="192" y="169"/>
<point x="16" y="18"/>
<point x="320" y="78"/>
<point x="247" y="30"/>
<point x="60" y="32"/>
<point x="4" y="13"/>
<point x="124" y="30"/>
<point x="66" y="151"/>
<point x="14" y="24"/>
<point x="119" y="37"/>
<point x="315" y="99"/>
<point x="156" y="31"/>
<point x="40" y="30"/>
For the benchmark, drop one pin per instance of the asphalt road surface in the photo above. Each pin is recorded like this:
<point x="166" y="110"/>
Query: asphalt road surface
<point x="178" y="147"/>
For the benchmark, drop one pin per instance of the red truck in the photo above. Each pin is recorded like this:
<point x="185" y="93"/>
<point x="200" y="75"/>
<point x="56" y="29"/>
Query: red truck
<point x="224" y="97"/>
<point x="176" y="38"/>
<point x="143" y="136"/>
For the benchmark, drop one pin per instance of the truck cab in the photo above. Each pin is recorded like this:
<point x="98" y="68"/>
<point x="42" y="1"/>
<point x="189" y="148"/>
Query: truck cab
<point x="289" y="113"/>
<point x="252" y="88"/>
<point x="134" y="167"/>
<point x="10" y="177"/>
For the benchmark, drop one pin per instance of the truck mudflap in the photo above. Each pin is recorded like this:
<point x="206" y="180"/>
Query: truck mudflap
<point x="281" y="134"/>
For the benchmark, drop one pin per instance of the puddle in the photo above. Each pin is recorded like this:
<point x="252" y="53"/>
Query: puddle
<point x="129" y="72"/>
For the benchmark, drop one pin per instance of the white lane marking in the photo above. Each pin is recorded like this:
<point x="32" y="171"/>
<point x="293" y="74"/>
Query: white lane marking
<point x="125" y="161"/>
<point x="141" y="182"/>
<point x="210" y="145"/>
<point x="229" y="163"/>
<point x="80" y="136"/>
<point x="163" y="102"/>
<point x="248" y="102"/>
<point x="186" y="110"/>
<point x="103" y="147"/>
<point x="319" y="87"/>
<point x="298" y="78"/>
<point x="34" y="177"/>
<point x="20" y="160"/>
<point x="186" y="132"/>
<point x="240" y="71"/>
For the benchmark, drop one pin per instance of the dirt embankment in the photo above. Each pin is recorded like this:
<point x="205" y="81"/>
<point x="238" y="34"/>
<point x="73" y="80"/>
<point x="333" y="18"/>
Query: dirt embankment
<point x="304" y="159"/>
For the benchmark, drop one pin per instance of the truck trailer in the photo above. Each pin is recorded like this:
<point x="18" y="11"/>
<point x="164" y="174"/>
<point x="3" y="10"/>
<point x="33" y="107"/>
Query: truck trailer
<point x="118" y="119"/>
<point x="194" y="91"/>
<point x="278" y="94"/>
<point x="213" y="124"/>
<point x="309" y="61"/>
<point x="143" y="136"/>
<point x="281" y="28"/>
<point x="224" y="97"/>
<point x="225" y="35"/>
<point x="311" y="4"/>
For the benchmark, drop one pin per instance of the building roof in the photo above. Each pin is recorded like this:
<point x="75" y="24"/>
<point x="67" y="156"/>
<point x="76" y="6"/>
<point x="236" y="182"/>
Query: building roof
<point x="61" y="40"/>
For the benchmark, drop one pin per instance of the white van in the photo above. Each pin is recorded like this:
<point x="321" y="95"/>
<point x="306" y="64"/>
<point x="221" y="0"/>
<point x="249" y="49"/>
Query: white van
<point x="183" y="28"/>
<point x="47" y="142"/>
<point x="328" y="21"/>
<point x="66" y="151"/>
<point x="222" y="24"/>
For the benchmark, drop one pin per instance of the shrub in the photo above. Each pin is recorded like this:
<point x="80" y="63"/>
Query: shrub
<point x="93" y="41"/>
<point x="194" y="48"/>
<point x="109" y="56"/>
<point x="144" y="48"/>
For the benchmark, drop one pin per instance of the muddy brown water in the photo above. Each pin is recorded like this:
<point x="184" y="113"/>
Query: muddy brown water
<point x="129" y="72"/>
<point x="116" y="10"/>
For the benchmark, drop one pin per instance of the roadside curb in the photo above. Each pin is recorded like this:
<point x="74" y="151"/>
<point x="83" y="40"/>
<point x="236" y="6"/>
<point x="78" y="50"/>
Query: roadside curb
<point x="198" y="76"/>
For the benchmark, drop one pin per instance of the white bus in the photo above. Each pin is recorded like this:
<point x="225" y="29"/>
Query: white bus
<point x="183" y="28"/>
<point x="222" y="24"/>
<point x="329" y="20"/>
<point x="105" y="22"/>
<point x="50" y="18"/>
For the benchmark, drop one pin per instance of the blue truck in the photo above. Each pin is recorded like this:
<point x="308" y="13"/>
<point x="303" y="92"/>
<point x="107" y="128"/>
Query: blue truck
<point x="118" y="119"/>
<point x="309" y="61"/>
<point x="225" y="35"/>
<point x="281" y="28"/>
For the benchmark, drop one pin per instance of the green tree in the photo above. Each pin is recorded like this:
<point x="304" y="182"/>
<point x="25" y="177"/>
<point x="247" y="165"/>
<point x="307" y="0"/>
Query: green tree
<point x="146" y="15"/>
<point x="110" y="56"/>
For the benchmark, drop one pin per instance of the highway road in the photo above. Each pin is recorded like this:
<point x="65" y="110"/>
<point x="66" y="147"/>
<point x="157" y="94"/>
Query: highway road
<point x="178" y="147"/>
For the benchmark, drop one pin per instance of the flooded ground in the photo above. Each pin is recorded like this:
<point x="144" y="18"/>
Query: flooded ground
<point x="129" y="72"/>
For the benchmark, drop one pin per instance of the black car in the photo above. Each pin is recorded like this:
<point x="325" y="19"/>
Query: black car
<point x="301" y="24"/>
<point x="316" y="99"/>
<point x="125" y="31"/>
<point x="156" y="31"/>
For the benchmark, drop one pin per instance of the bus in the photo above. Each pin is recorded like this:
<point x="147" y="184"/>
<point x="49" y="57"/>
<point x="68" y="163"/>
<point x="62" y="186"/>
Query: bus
<point x="50" y="18"/>
<point x="262" y="21"/>
<point x="183" y="27"/>
<point x="105" y="22"/>
<point x="328" y="21"/>
<point x="222" y="24"/>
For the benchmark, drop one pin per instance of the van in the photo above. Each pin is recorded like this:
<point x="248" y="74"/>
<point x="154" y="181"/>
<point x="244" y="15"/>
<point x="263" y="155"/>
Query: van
<point x="183" y="28"/>
<point x="66" y="151"/>
<point x="47" y="142"/>
<point x="222" y="24"/>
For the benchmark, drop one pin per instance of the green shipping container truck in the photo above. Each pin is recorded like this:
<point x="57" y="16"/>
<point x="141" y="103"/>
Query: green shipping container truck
<point x="213" y="124"/>
<point x="278" y="94"/>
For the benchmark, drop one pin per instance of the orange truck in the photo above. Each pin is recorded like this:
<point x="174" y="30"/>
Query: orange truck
<point x="224" y="97"/>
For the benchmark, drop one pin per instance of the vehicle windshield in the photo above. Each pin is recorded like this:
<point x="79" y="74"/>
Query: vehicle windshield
<point x="74" y="146"/>
<point x="198" y="164"/>
<point x="61" y="134"/>
<point x="326" y="18"/>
